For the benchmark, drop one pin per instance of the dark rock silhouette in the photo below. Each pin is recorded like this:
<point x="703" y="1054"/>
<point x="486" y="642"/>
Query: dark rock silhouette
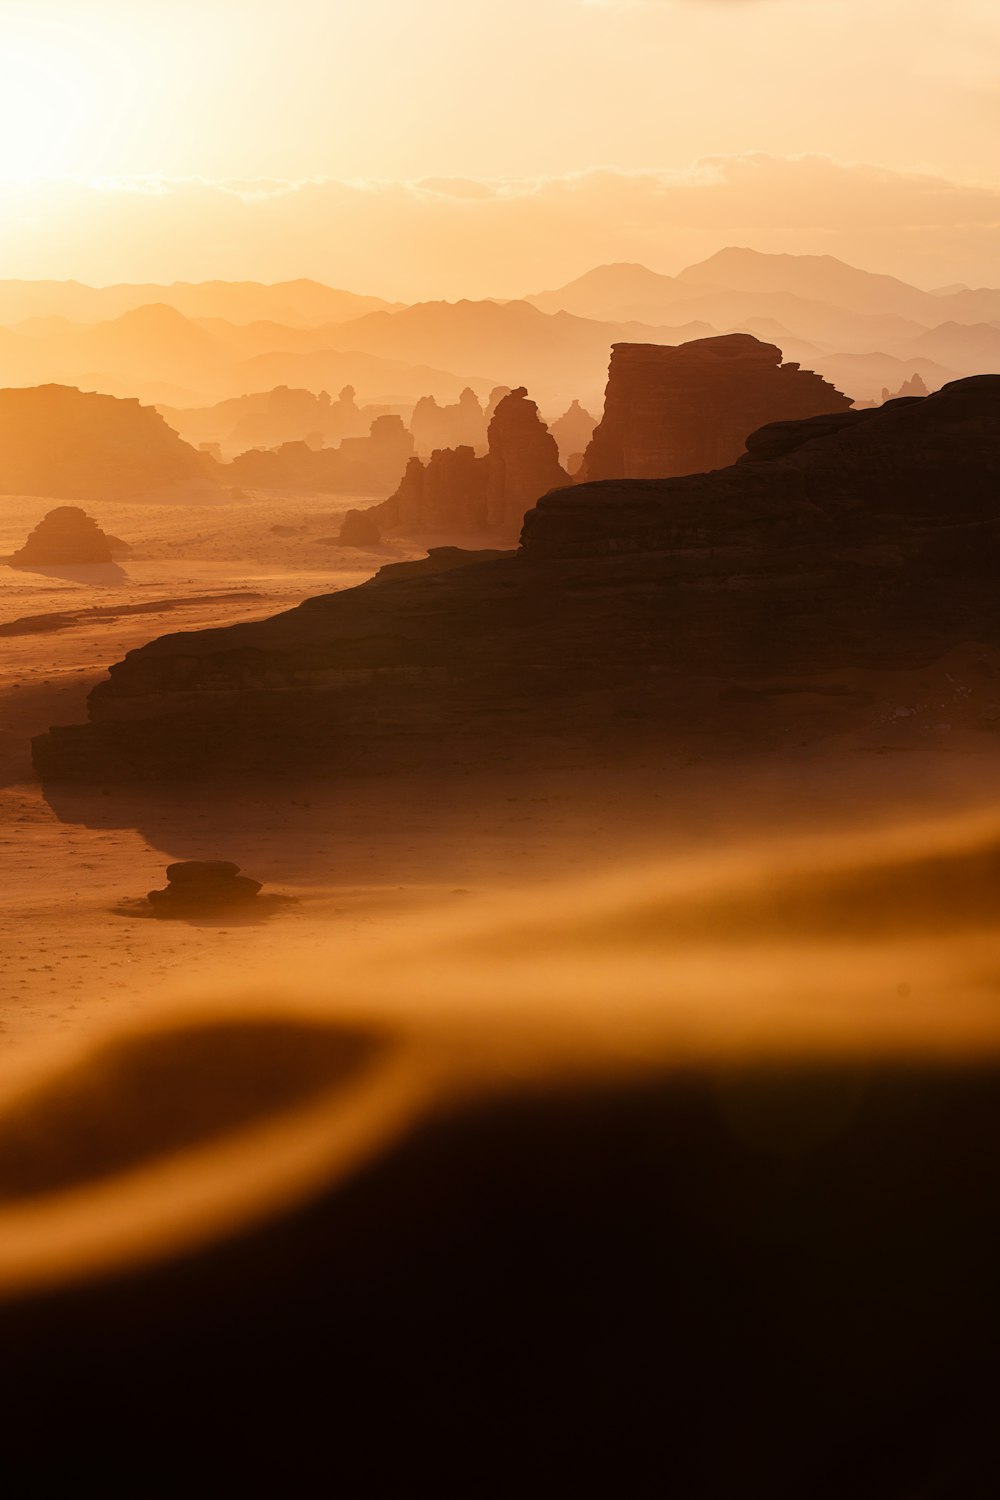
<point x="573" y="432"/>
<point x="853" y="541"/>
<point x="73" y="444"/>
<point x="203" y="887"/>
<point x="459" y="494"/>
<point x="523" y="462"/>
<point x="689" y="408"/>
<point x="67" y="535"/>
<point x="359" y="529"/>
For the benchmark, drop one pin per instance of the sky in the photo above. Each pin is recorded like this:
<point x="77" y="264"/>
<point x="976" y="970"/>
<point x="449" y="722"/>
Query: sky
<point x="464" y="147"/>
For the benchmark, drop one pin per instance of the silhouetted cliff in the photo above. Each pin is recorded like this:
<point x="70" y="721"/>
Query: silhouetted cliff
<point x="704" y="608"/>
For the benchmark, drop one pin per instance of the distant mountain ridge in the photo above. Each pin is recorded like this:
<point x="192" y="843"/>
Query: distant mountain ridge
<point x="622" y="289"/>
<point x="301" y="303"/>
<point x="194" y="344"/>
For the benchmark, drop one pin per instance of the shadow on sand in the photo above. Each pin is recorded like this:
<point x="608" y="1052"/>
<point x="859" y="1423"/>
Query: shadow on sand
<point x="98" y="575"/>
<point x="261" y="909"/>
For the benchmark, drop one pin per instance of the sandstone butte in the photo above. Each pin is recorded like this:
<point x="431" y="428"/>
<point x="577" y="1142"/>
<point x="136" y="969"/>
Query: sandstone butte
<point x="858" y="540"/>
<point x="689" y="408"/>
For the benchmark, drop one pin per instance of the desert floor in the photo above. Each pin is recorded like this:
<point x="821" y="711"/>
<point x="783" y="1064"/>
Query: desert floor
<point x="362" y="858"/>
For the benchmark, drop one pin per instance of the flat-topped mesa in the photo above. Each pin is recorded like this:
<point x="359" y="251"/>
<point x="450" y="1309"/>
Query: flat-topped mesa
<point x="72" y="444"/>
<point x="67" y="535"/>
<point x="457" y="494"/>
<point x="689" y="408"/>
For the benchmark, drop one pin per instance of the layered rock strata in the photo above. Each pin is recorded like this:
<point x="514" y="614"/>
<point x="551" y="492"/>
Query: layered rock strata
<point x="689" y="408"/>
<point x="66" y="536"/>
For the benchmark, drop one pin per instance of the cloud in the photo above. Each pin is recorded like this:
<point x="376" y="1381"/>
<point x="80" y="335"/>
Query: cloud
<point x="504" y="236"/>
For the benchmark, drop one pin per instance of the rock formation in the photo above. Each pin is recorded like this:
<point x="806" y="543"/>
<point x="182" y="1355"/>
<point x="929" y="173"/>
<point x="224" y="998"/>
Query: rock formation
<point x="445" y="495"/>
<point x="523" y="462"/>
<point x="496" y="396"/>
<point x="266" y="419"/>
<point x="385" y="451"/>
<point x="462" y="425"/>
<point x="689" y="408"/>
<point x="72" y="444"/>
<point x="573" y="432"/>
<point x="697" y="609"/>
<point x="915" y="386"/>
<point x="67" y="535"/>
<point x="457" y="494"/>
<point x="359" y="528"/>
<point x="369" y="465"/>
<point x="203" y="888"/>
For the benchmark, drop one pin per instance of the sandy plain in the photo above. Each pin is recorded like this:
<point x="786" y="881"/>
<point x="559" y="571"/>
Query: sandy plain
<point x="64" y="951"/>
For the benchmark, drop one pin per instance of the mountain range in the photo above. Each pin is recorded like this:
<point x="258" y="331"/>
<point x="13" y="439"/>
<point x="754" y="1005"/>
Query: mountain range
<point x="191" y="344"/>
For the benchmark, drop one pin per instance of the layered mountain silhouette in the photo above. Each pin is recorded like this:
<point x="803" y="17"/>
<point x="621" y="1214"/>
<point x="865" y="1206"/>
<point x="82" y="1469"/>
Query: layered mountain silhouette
<point x="302" y="303"/>
<point x="188" y="345"/>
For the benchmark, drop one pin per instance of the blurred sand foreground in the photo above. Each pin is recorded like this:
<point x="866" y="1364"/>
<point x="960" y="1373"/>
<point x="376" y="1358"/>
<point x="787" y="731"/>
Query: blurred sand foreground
<point x="565" y="1120"/>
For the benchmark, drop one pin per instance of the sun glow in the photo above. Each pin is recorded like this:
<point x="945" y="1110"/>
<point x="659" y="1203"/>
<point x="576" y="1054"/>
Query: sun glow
<point x="63" y="92"/>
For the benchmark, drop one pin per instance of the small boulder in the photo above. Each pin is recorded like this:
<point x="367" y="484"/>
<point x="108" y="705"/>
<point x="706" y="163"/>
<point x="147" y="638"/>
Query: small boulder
<point x="203" y="887"/>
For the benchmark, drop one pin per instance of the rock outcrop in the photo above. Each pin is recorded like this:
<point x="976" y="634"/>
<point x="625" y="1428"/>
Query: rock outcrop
<point x="203" y="888"/>
<point x="713" y="609"/>
<point x="67" y="535"/>
<point x="462" y="425"/>
<point x="573" y="432"/>
<point x="689" y="408"/>
<point x="368" y="465"/>
<point x="76" y="445"/>
<point x="458" y="494"/>
<point x="523" y="462"/>
<point x="359" y="528"/>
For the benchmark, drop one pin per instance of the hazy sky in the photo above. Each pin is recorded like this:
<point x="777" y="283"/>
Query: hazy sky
<point x="343" y="107"/>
